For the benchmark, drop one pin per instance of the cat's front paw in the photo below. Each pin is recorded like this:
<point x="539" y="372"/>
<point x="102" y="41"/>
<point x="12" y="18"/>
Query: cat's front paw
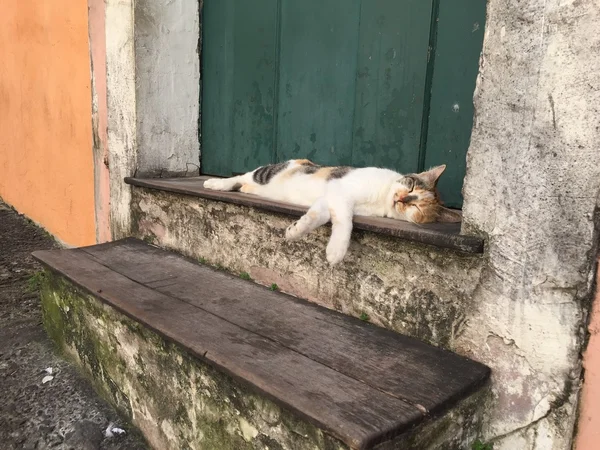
<point x="215" y="184"/>
<point x="292" y="232"/>
<point x="335" y="253"/>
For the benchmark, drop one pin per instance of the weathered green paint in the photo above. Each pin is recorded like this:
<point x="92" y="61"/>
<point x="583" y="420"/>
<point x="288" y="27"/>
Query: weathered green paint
<point x="455" y="66"/>
<point x="317" y="77"/>
<point x="390" y="83"/>
<point x="340" y="82"/>
<point x="255" y="71"/>
<point x="217" y="80"/>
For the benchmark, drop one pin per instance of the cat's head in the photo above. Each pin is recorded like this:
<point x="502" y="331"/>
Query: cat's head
<point x="415" y="197"/>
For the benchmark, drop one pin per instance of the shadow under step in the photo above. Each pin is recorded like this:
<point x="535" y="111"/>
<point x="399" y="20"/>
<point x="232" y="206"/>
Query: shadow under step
<point x="194" y="354"/>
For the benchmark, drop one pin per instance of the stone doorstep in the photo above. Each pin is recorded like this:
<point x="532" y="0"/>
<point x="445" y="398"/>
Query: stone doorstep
<point x="423" y="291"/>
<point x="193" y="354"/>
<point x="442" y="235"/>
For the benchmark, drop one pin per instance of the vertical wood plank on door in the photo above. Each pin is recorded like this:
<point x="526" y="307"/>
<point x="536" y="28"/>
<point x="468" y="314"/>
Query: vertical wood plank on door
<point x="217" y="82"/>
<point x="255" y="49"/>
<point x="392" y="65"/>
<point x="458" y="46"/>
<point x="319" y="40"/>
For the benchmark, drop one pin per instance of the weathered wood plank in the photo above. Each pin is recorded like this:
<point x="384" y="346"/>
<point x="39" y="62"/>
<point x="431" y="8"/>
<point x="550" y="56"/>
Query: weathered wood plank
<point x="353" y="412"/>
<point x="390" y="83"/>
<point x="319" y="42"/>
<point x="444" y="235"/>
<point x="254" y="65"/>
<point x="218" y="49"/>
<point x="401" y="366"/>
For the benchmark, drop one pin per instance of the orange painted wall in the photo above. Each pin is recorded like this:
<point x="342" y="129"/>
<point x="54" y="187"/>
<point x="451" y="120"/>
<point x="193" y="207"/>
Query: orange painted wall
<point x="588" y="435"/>
<point x="46" y="159"/>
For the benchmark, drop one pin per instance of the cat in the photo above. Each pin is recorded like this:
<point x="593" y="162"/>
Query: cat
<point x="336" y="194"/>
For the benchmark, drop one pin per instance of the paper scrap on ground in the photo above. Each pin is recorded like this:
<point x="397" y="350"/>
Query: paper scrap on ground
<point x="111" y="430"/>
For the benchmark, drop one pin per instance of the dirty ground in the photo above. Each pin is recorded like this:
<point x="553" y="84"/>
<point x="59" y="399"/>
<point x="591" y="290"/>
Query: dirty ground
<point x="64" y="413"/>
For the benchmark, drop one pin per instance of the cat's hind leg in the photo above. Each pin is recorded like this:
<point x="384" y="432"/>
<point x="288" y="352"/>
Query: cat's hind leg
<point x="228" y="184"/>
<point x="317" y="215"/>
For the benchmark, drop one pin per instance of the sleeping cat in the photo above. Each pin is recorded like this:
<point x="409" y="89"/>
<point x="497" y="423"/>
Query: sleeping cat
<point x="336" y="194"/>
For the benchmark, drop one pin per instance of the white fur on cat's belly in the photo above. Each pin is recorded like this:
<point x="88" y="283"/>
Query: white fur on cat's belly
<point x="301" y="189"/>
<point x="367" y="188"/>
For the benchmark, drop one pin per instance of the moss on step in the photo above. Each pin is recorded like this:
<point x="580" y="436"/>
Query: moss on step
<point x="180" y="402"/>
<point x="174" y="399"/>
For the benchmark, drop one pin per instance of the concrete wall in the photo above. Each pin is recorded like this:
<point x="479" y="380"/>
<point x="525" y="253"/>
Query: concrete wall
<point x="532" y="185"/>
<point x="153" y="90"/>
<point x="167" y="36"/>
<point x="46" y="163"/>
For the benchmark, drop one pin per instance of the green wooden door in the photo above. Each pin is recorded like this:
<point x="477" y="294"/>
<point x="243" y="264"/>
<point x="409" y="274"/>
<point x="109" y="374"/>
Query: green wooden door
<point x="387" y="83"/>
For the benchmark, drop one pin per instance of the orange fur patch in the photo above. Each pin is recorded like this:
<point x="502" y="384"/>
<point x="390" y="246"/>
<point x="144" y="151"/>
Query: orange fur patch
<point x="324" y="172"/>
<point x="304" y="162"/>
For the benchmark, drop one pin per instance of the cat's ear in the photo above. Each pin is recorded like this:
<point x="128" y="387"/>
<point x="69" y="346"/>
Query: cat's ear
<point x="432" y="175"/>
<point x="449" y="215"/>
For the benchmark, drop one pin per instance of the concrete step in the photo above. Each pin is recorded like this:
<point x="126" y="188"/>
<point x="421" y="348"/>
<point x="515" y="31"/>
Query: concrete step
<point x="199" y="358"/>
<point x="416" y="280"/>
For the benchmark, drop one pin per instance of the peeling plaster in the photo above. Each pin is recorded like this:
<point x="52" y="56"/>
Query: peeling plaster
<point x="153" y="90"/>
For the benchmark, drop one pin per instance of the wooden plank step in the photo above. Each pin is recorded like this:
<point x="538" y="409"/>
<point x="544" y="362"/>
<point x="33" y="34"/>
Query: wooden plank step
<point x="360" y="383"/>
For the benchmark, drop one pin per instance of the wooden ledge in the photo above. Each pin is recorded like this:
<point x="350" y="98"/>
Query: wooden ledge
<point x="444" y="235"/>
<point x="360" y="383"/>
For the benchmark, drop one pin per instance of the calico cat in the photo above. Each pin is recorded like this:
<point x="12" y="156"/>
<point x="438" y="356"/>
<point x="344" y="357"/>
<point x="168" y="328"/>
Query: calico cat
<point x="336" y="194"/>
